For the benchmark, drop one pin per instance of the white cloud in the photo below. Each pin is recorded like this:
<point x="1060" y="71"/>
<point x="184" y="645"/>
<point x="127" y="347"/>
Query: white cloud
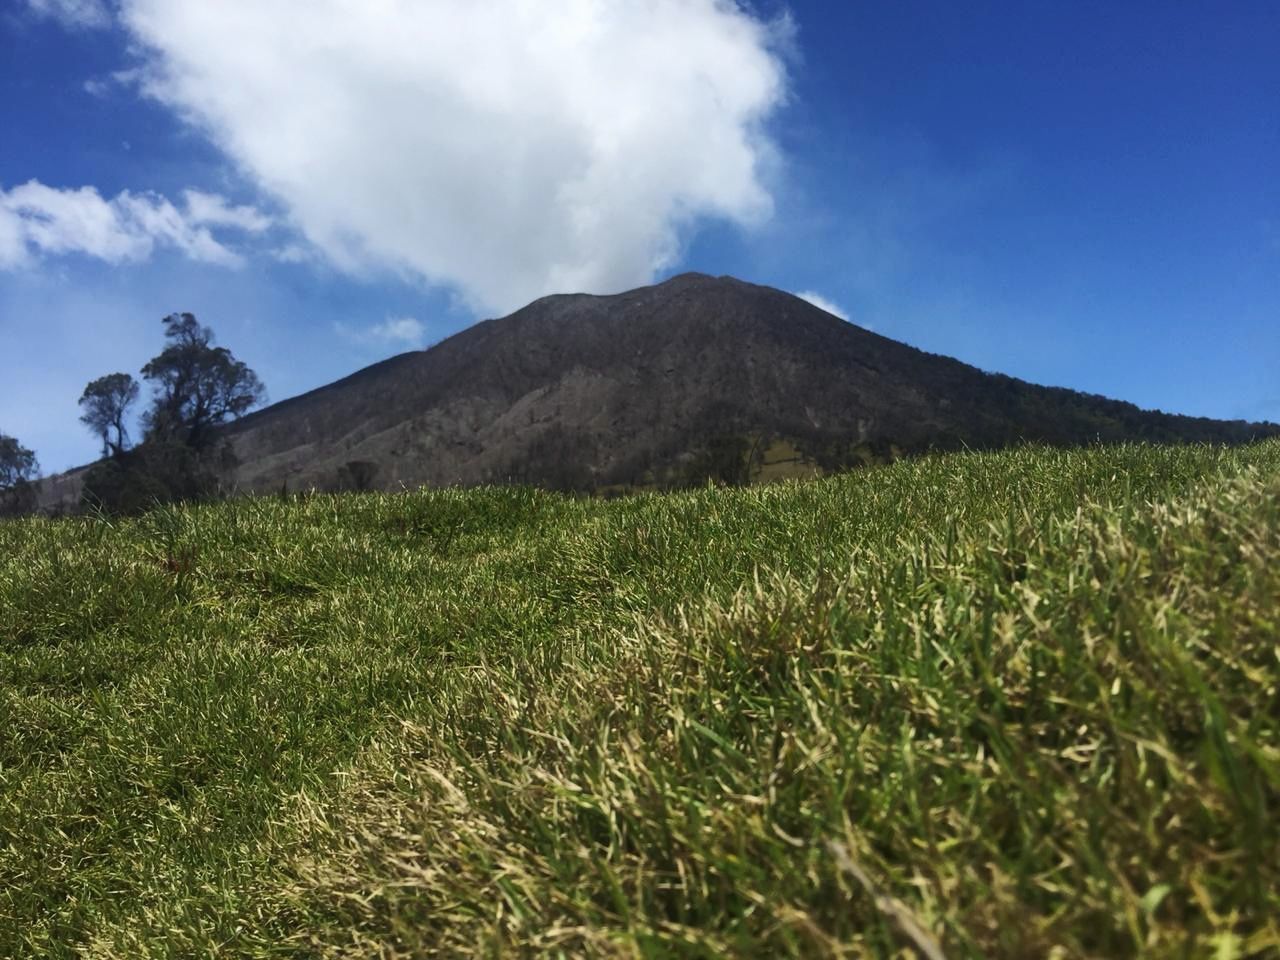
<point x="74" y="13"/>
<point x="509" y="148"/>
<point x="822" y="303"/>
<point x="104" y="86"/>
<point x="211" y="210"/>
<point x="293" y="253"/>
<point x="13" y="244"/>
<point x="40" y="220"/>
<point x="400" y="330"/>
<point x="403" y="331"/>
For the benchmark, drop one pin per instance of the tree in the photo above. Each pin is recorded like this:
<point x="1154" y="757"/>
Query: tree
<point x="17" y="463"/>
<point x="724" y="459"/>
<point x="18" y="467"/>
<point x="357" y="475"/>
<point x="151" y="473"/>
<point x="106" y="401"/>
<point x="197" y="385"/>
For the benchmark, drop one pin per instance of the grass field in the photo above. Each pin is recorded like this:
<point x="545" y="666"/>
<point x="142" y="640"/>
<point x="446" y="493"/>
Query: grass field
<point x="1010" y="705"/>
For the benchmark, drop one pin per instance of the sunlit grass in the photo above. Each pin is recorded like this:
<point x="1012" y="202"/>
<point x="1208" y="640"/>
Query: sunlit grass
<point x="991" y="704"/>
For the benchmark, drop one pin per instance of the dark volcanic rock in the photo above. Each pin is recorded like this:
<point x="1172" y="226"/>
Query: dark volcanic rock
<point x="579" y="391"/>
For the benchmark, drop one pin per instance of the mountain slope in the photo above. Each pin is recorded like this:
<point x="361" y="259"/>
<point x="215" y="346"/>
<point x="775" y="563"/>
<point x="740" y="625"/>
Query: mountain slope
<point x="581" y="391"/>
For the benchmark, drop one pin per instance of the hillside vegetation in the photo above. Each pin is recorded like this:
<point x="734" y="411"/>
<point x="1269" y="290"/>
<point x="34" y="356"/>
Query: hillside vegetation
<point x="658" y="386"/>
<point x="1007" y="705"/>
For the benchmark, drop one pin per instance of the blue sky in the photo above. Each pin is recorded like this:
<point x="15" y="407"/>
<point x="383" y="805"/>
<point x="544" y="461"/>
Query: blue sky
<point x="1079" y="194"/>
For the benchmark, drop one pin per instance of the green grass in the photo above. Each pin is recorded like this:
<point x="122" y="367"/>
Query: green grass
<point x="1007" y="705"/>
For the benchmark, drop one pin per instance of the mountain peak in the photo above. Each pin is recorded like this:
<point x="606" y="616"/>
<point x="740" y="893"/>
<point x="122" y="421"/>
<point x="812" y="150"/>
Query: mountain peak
<point x="638" y="388"/>
<point x="694" y="278"/>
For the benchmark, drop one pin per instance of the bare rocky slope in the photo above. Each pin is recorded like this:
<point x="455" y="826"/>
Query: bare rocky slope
<point x="582" y="392"/>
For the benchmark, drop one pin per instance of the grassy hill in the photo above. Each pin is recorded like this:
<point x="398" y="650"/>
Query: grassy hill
<point x="982" y="704"/>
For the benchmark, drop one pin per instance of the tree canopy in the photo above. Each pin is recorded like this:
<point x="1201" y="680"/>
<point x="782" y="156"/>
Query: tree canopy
<point x="106" y="402"/>
<point x="197" y="385"/>
<point x="17" y="464"/>
<point x="18" y="467"/>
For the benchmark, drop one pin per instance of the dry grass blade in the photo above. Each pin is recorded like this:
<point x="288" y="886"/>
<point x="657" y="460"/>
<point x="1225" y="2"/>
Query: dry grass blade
<point x="892" y="908"/>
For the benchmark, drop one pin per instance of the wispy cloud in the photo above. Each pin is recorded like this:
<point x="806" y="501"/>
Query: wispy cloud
<point x="37" y="220"/>
<point x="103" y="86"/>
<point x="77" y="14"/>
<point x="211" y="210"/>
<point x="294" y="253"/>
<point x="392" y="332"/>
<point x="822" y="303"/>
<point x="506" y="148"/>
